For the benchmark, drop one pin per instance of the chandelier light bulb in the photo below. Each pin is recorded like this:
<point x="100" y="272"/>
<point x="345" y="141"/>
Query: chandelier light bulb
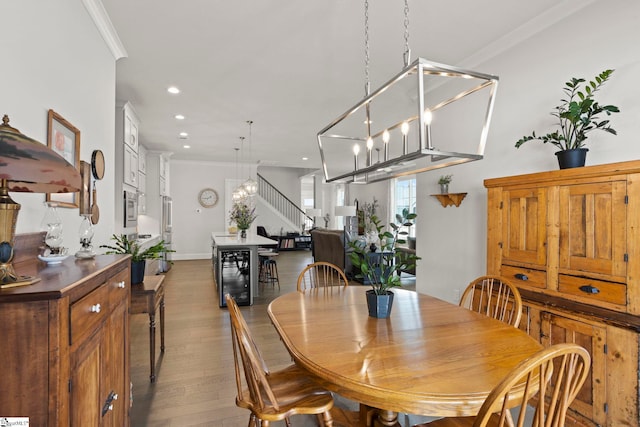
<point x="428" y="117"/>
<point x="356" y="150"/>
<point x="369" y="151"/>
<point x="405" y="140"/>
<point x="385" y="139"/>
<point x="385" y="136"/>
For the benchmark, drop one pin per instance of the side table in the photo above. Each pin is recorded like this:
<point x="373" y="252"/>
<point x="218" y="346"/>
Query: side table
<point x="147" y="297"/>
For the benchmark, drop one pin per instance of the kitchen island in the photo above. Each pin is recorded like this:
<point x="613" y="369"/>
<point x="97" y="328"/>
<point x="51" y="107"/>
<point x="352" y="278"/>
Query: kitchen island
<point x="235" y="265"/>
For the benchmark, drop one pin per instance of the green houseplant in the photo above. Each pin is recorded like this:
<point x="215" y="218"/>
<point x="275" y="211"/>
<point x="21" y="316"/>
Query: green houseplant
<point x="444" y="182"/>
<point x="578" y="114"/>
<point x="123" y="245"/>
<point x="382" y="270"/>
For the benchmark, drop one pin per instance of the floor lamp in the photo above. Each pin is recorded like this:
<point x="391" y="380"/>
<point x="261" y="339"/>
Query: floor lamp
<point x="348" y="212"/>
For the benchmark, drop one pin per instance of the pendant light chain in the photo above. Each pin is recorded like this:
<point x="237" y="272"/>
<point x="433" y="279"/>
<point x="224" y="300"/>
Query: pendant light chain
<point x="407" y="50"/>
<point x="367" y="85"/>
<point x="250" y="122"/>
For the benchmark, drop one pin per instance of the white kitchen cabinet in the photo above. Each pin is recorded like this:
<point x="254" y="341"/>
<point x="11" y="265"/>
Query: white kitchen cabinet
<point x="142" y="159"/>
<point x="130" y="173"/>
<point x="131" y="124"/>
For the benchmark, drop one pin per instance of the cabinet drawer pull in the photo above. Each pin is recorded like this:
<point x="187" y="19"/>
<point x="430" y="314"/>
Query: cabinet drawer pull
<point x="588" y="289"/>
<point x="121" y="284"/>
<point x="521" y="276"/>
<point x="96" y="308"/>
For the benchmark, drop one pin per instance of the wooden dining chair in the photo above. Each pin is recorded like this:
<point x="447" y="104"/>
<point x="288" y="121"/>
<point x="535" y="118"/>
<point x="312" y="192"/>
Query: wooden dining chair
<point x="322" y="275"/>
<point x="544" y="385"/>
<point x="494" y="297"/>
<point x="272" y="396"/>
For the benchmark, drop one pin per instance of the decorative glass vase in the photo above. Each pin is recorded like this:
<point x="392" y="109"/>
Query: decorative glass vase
<point x="243" y="233"/>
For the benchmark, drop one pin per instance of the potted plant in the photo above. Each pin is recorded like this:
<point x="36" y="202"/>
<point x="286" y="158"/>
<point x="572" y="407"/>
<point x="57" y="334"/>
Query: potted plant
<point x="382" y="270"/>
<point x="123" y="245"/>
<point x="243" y="216"/>
<point x="444" y="182"/>
<point x="577" y="115"/>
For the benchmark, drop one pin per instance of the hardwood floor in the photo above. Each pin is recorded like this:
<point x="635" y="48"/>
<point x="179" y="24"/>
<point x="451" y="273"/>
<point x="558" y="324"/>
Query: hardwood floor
<point x="195" y="380"/>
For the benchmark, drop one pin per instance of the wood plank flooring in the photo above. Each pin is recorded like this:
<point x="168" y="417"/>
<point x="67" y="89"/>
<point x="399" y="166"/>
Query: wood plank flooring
<point x="195" y="380"/>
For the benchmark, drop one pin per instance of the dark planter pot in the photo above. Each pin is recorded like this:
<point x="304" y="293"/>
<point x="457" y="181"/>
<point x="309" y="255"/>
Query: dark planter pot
<point x="379" y="305"/>
<point x="572" y="158"/>
<point x="137" y="272"/>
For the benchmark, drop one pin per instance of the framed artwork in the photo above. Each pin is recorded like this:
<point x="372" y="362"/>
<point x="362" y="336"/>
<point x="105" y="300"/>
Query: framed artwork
<point x="64" y="139"/>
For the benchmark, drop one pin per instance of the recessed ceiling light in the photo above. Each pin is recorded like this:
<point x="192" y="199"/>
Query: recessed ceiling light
<point x="305" y="158"/>
<point x="186" y="146"/>
<point x="179" y="117"/>
<point x="172" y="89"/>
<point x="184" y="135"/>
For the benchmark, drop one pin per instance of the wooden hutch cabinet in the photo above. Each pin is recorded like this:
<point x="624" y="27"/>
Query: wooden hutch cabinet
<point x="65" y="341"/>
<point x="570" y="241"/>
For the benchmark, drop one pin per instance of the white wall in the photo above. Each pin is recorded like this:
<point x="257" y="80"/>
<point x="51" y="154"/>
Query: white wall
<point x="452" y="241"/>
<point x="54" y="57"/>
<point x="193" y="224"/>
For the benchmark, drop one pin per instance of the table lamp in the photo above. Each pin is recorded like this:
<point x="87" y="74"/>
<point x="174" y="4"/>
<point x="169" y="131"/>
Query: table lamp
<point x="28" y="166"/>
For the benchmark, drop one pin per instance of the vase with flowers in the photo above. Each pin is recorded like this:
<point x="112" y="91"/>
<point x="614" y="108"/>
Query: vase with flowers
<point x="243" y="216"/>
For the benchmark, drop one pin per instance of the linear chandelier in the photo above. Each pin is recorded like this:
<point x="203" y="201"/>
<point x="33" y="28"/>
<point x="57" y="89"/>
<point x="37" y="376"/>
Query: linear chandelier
<point x="426" y="117"/>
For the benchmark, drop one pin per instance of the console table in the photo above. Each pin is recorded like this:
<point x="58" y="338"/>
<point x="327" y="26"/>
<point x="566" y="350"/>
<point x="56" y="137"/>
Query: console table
<point x="148" y="297"/>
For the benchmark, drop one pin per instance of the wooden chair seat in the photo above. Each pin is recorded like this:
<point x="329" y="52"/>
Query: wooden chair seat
<point x="272" y="396"/>
<point x="544" y="384"/>
<point x="295" y="394"/>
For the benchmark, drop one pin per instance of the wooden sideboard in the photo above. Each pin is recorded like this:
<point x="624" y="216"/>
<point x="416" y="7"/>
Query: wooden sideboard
<point x="65" y="341"/>
<point x="570" y="240"/>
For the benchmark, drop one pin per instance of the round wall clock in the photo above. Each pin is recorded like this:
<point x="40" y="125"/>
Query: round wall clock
<point x="208" y="197"/>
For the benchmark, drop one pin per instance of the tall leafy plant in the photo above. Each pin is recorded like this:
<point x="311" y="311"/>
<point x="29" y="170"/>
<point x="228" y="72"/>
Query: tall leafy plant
<point x="578" y="114"/>
<point x="383" y="270"/>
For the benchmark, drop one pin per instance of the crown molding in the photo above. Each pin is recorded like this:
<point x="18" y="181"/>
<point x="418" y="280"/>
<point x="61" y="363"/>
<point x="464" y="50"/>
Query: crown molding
<point x="103" y="23"/>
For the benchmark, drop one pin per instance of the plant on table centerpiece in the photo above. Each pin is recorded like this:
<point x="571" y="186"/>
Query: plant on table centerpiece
<point x="243" y="216"/>
<point x="124" y="245"/>
<point x="382" y="269"/>
<point x="577" y="116"/>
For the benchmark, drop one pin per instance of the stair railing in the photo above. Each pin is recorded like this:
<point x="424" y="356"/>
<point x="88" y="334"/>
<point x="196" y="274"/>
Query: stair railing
<point x="283" y="204"/>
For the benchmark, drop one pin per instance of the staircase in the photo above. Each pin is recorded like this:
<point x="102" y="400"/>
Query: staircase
<point x="283" y="205"/>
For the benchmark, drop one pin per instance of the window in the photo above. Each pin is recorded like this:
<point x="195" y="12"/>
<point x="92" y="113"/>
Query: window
<point x="404" y="197"/>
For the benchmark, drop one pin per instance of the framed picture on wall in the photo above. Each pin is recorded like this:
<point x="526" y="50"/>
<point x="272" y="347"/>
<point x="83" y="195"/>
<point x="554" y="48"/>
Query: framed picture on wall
<point x="64" y="139"/>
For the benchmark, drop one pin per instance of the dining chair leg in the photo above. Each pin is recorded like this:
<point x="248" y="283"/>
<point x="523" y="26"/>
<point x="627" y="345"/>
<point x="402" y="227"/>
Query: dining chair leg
<point x="325" y="419"/>
<point x="252" y="421"/>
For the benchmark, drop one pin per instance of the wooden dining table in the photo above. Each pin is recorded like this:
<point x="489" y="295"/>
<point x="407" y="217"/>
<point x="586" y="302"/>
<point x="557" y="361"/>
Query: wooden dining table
<point x="429" y="357"/>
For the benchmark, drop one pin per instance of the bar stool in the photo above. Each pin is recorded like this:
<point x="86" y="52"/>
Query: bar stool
<point x="268" y="269"/>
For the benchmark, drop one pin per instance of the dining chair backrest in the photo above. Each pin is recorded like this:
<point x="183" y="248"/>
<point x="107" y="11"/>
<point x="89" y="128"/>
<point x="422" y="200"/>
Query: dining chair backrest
<point x="494" y="297"/>
<point x="247" y="355"/>
<point x="545" y="383"/>
<point x="322" y="275"/>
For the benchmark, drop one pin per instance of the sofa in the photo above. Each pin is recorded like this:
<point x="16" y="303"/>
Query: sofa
<point x="330" y="246"/>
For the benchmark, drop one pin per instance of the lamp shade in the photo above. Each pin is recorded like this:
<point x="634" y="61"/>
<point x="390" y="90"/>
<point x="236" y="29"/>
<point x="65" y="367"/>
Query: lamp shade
<point x="32" y="167"/>
<point x="345" y="211"/>
<point x="313" y="212"/>
<point x="26" y="166"/>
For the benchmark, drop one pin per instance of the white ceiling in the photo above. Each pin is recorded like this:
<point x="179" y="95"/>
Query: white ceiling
<point x="291" y="66"/>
